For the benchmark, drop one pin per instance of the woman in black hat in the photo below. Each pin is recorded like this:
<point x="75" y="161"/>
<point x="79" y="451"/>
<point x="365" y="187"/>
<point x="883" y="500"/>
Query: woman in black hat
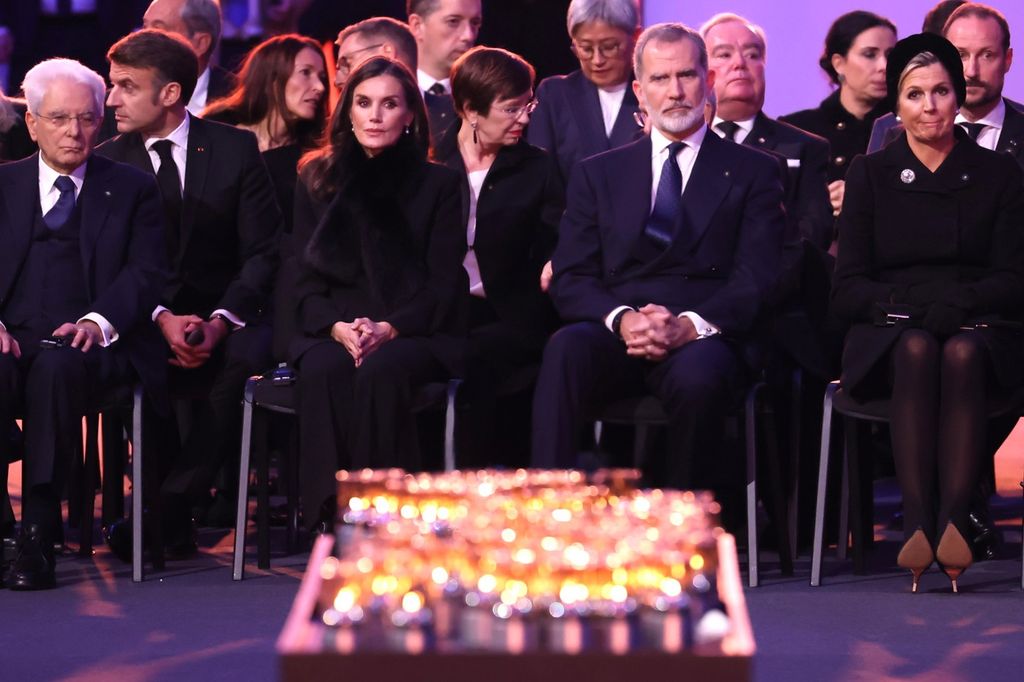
<point x="931" y="227"/>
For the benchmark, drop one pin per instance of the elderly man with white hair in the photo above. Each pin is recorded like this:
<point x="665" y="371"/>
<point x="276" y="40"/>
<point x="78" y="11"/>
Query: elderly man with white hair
<point x="81" y="268"/>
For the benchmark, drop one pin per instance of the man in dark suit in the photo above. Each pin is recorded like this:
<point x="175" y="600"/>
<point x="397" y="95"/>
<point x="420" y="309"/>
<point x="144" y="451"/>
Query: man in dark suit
<point x="81" y="267"/>
<point x="444" y="31"/>
<point x="666" y="252"/>
<point x="369" y="38"/>
<point x="223" y="227"/>
<point x="592" y="109"/>
<point x="199" y="22"/>
<point x="736" y="53"/>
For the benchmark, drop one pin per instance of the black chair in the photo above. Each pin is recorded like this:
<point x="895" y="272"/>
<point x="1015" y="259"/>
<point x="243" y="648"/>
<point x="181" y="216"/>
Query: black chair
<point x="855" y="512"/>
<point x="263" y="393"/>
<point x="645" y="411"/>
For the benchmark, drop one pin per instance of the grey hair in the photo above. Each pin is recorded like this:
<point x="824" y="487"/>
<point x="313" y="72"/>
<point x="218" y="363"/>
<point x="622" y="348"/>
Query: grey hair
<point x="668" y="32"/>
<point x="385" y="28"/>
<point x="622" y="14"/>
<point x="44" y="74"/>
<point x="727" y="17"/>
<point x="920" y="60"/>
<point x="203" y="16"/>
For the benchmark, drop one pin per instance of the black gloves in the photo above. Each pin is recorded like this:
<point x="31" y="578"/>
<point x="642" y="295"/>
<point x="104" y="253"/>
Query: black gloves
<point x="943" y="320"/>
<point x="929" y="293"/>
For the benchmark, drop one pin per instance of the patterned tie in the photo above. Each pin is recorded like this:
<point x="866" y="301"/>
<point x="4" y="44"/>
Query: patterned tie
<point x="667" y="201"/>
<point x="57" y="216"/>
<point x="973" y="129"/>
<point x="729" y="128"/>
<point x="170" y="191"/>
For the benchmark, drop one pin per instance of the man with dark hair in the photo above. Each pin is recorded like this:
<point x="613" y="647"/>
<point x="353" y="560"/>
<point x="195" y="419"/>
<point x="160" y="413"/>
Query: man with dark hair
<point x="666" y="252"/>
<point x="372" y="37"/>
<point x="199" y="22"/>
<point x="82" y="264"/>
<point x="444" y="31"/>
<point x="223" y="226"/>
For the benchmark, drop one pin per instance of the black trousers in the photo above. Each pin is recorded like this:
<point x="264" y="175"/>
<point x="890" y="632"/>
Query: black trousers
<point x="215" y="393"/>
<point x="51" y="390"/>
<point x="353" y="417"/>
<point x="585" y="367"/>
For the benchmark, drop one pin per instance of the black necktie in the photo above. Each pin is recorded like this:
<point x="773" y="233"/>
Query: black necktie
<point x="729" y="128"/>
<point x="436" y="89"/>
<point x="973" y="129"/>
<point x="170" y="190"/>
<point x="57" y="216"/>
<point x="667" y="201"/>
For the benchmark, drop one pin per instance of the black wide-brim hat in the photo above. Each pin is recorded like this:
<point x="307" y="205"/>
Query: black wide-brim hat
<point x="910" y="47"/>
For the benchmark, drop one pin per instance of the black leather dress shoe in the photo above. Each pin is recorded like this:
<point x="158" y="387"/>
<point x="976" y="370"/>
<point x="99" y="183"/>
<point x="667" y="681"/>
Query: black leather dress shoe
<point x="984" y="536"/>
<point x="180" y="539"/>
<point x="35" y="567"/>
<point x="119" y="539"/>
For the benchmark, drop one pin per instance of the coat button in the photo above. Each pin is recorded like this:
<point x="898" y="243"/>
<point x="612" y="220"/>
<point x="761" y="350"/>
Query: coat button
<point x="761" y="140"/>
<point x="841" y="125"/>
<point x="726" y="173"/>
<point x="965" y="177"/>
<point x="839" y="160"/>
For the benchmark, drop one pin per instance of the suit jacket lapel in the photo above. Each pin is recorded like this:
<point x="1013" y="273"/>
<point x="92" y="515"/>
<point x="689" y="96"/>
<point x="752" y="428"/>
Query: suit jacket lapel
<point x="633" y="179"/>
<point x="708" y="184"/>
<point x="18" y="201"/>
<point x="197" y="163"/>
<point x="94" y="200"/>
<point x="625" y="129"/>
<point x="1011" y="137"/>
<point x="588" y="112"/>
<point x="761" y="135"/>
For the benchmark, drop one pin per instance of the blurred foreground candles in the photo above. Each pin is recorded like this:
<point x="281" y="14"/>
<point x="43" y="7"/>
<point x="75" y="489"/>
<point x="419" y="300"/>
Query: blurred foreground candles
<point x="518" y="561"/>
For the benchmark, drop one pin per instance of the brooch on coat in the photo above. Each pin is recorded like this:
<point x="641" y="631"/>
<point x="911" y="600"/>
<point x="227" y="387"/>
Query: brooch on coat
<point x="907" y="176"/>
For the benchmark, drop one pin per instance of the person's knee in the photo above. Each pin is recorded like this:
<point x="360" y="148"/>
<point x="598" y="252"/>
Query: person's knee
<point x="916" y="347"/>
<point x="325" y="362"/>
<point x="57" y="364"/>
<point x="963" y="351"/>
<point x="571" y="343"/>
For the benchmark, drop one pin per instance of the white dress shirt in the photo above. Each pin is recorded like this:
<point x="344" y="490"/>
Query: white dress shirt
<point x="199" y="96"/>
<point x="48" y="196"/>
<point x="741" y="133"/>
<point x="611" y="102"/>
<point x="179" y="152"/>
<point x="426" y="81"/>
<point x="476" y="283"/>
<point x="686" y="157"/>
<point x="989" y="135"/>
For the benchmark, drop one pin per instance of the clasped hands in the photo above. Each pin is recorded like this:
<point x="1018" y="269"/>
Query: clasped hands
<point x="653" y="331"/>
<point x="362" y="336"/>
<point x="176" y="329"/>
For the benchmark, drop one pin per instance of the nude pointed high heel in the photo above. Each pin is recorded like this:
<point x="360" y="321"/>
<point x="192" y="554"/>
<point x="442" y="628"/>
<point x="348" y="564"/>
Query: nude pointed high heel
<point x="916" y="556"/>
<point x="953" y="554"/>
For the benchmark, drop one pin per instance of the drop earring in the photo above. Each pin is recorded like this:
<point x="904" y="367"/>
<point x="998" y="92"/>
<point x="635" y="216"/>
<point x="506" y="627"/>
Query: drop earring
<point x="407" y="130"/>
<point x="475" y="139"/>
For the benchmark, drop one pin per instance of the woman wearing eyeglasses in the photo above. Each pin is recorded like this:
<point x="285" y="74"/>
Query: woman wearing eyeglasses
<point x="591" y="110"/>
<point x="512" y="200"/>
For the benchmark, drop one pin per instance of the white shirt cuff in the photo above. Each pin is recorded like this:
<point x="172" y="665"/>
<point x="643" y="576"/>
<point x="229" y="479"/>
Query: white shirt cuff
<point x="611" y="316"/>
<point x="703" y="327"/>
<point x="157" y="310"/>
<point x="232" y="318"/>
<point x="110" y="334"/>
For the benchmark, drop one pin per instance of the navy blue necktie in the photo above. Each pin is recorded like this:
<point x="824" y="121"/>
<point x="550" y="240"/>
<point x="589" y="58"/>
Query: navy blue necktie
<point x="667" y="201"/>
<point x="57" y="216"/>
<point x="973" y="129"/>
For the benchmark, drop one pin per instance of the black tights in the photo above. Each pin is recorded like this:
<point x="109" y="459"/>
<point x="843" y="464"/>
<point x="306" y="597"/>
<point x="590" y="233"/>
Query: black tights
<point x="938" y="422"/>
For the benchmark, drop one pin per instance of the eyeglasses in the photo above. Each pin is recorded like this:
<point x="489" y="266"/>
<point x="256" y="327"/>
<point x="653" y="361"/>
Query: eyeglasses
<point x="345" y="63"/>
<point x="516" y="112"/>
<point x="606" y="50"/>
<point x="62" y="121"/>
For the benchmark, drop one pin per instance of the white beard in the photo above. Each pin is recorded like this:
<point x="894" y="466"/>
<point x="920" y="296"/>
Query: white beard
<point x="680" y="122"/>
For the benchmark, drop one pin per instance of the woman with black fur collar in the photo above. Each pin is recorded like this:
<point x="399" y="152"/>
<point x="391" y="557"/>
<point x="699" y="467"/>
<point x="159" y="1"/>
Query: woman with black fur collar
<point x="381" y="289"/>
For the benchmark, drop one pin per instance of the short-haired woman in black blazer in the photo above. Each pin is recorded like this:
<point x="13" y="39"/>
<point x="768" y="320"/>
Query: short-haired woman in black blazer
<point x="380" y="246"/>
<point x="512" y="200"/>
<point x="932" y="223"/>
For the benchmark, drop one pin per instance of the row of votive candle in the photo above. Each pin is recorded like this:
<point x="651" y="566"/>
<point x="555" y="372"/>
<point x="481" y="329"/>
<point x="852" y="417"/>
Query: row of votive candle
<point x="520" y="560"/>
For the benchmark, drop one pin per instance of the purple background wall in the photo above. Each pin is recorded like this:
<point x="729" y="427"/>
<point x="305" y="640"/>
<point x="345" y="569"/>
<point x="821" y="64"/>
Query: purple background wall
<point x="796" y="35"/>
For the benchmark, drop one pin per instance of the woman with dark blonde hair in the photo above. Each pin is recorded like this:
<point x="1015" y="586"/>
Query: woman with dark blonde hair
<point x="380" y="290"/>
<point x="281" y="98"/>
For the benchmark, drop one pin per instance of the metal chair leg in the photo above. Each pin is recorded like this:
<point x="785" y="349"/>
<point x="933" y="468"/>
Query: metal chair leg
<point x="819" y="506"/>
<point x="449" y="425"/>
<point x="751" y="450"/>
<point x="843" y="535"/>
<point x="796" y="442"/>
<point x="137" y="486"/>
<point x="238" y="560"/>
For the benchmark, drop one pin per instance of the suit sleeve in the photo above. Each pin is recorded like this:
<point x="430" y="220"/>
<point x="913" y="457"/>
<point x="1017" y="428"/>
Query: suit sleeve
<point x="317" y="312"/>
<point x="259" y="226"/>
<point x="755" y="266"/>
<point x="425" y="312"/>
<point x="135" y="291"/>
<point x="815" y="220"/>
<point x="855" y="291"/>
<point x="1001" y="290"/>
<point x="578" y="288"/>
<point x="541" y="131"/>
